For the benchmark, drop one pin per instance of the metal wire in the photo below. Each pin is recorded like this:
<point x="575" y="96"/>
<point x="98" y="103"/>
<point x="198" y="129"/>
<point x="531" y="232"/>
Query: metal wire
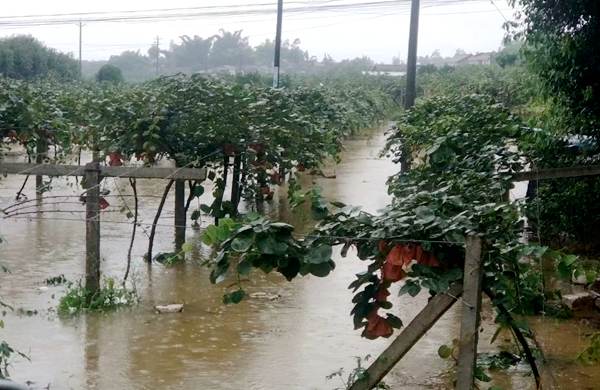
<point x="348" y="238"/>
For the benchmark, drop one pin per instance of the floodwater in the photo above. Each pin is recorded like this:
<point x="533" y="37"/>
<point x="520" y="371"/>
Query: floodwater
<point x="293" y="342"/>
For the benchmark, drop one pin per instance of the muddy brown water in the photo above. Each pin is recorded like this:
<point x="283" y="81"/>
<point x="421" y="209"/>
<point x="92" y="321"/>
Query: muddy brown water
<point x="293" y="342"/>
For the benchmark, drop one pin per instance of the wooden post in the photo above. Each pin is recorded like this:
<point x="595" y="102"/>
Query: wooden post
<point x="436" y="307"/>
<point x="180" y="214"/>
<point x="41" y="151"/>
<point x="92" y="227"/>
<point x="235" y="181"/>
<point x="469" y="327"/>
<point x="281" y="174"/>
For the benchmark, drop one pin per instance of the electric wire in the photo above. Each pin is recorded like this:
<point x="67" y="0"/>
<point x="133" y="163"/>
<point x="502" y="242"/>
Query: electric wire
<point x="499" y="10"/>
<point x="373" y="5"/>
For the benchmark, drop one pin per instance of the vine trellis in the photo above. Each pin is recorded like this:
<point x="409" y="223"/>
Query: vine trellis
<point x="471" y="292"/>
<point x="93" y="174"/>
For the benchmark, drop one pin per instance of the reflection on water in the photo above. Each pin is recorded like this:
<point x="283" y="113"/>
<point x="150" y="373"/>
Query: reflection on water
<point x="290" y="343"/>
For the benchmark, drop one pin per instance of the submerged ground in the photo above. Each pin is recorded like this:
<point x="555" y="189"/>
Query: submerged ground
<point x="293" y="342"/>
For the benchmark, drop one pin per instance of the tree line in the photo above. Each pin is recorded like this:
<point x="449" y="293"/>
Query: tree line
<point x="225" y="52"/>
<point x="24" y="57"/>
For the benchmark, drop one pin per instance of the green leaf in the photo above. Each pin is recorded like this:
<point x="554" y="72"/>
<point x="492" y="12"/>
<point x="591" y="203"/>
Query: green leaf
<point x="269" y="245"/>
<point x="281" y="225"/>
<point x="411" y="288"/>
<point x="424" y="214"/>
<point x="385" y="305"/>
<point x="319" y="254"/>
<point x="481" y="375"/>
<point x="394" y="321"/>
<point x="209" y="236"/>
<point x="195" y="215"/>
<point x="218" y="274"/>
<point x="323" y="269"/>
<point x="216" y="234"/>
<point x="234" y="297"/>
<point x="187" y="247"/>
<point x="244" y="267"/>
<point x="444" y="351"/>
<point x="198" y="191"/>
<point x="291" y="269"/>
<point x="242" y="243"/>
<point x="167" y="258"/>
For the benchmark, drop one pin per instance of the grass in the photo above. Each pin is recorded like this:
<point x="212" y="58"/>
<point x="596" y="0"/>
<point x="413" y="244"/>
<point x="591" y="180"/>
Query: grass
<point x="170" y="258"/>
<point x="110" y="297"/>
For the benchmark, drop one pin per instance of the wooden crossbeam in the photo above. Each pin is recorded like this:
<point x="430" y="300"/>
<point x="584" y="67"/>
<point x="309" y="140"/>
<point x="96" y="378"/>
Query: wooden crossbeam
<point x="123" y="171"/>
<point x="558" y="173"/>
<point x="409" y="336"/>
<point x="93" y="173"/>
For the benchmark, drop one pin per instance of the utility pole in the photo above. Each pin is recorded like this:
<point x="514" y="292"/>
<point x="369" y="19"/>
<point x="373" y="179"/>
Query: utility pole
<point x="157" y="54"/>
<point x="80" y="63"/>
<point x="277" y="60"/>
<point x="411" y="65"/>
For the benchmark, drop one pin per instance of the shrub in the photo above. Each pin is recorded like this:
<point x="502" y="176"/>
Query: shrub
<point x="110" y="297"/>
<point x="109" y="73"/>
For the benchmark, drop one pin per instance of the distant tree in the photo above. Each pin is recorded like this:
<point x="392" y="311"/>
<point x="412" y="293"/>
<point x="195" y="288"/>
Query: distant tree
<point x="357" y="64"/>
<point x="24" y="57"/>
<point x="562" y="48"/>
<point x="510" y="54"/>
<point x="264" y="53"/>
<point x="292" y="55"/>
<point x="191" y="54"/>
<point x="90" y="68"/>
<point x="109" y="73"/>
<point x="459" y="53"/>
<point x="327" y="60"/>
<point x="230" y="48"/>
<point x="133" y="65"/>
<point x="427" y="69"/>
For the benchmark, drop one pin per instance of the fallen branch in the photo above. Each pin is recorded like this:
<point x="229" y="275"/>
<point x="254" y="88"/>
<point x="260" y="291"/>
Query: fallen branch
<point x="135" y="220"/>
<point x="18" y="197"/>
<point x="519" y="335"/>
<point x="409" y="336"/>
<point x="155" y="222"/>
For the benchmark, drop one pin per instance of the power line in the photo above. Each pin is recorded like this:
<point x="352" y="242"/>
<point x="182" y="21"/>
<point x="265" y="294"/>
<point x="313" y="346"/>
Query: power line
<point x="102" y="47"/>
<point x="373" y="5"/>
<point x="78" y="14"/>
<point x="499" y="10"/>
<point x="323" y="2"/>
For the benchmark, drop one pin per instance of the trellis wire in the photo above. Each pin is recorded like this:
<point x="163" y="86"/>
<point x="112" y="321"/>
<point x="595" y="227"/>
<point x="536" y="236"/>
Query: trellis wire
<point x="348" y="238"/>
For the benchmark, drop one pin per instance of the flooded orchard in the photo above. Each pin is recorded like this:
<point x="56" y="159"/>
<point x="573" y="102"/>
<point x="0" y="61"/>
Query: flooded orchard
<point x="285" y="336"/>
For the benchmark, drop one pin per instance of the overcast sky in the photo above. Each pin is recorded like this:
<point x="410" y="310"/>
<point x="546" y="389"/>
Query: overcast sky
<point x="475" y="26"/>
